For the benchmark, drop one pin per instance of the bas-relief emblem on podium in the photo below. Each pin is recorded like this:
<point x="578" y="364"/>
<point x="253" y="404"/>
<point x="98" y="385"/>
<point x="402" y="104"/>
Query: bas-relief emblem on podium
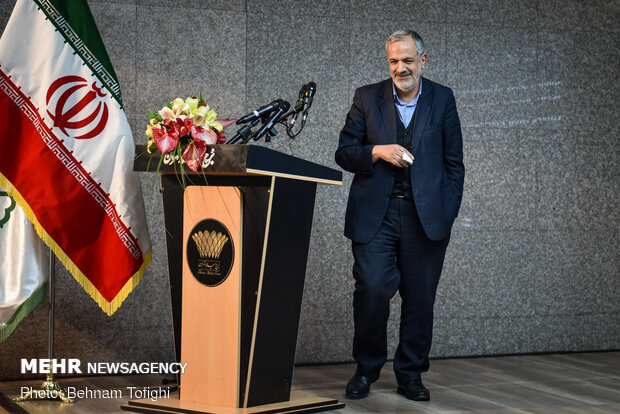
<point x="210" y="252"/>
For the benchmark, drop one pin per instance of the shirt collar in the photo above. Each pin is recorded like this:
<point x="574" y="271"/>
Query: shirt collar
<point x="400" y="102"/>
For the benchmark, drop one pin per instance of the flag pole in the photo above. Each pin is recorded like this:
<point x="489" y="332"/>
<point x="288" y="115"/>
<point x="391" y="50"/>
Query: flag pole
<point x="50" y="387"/>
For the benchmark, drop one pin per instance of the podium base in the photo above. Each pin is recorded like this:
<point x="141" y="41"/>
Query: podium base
<point x="299" y="403"/>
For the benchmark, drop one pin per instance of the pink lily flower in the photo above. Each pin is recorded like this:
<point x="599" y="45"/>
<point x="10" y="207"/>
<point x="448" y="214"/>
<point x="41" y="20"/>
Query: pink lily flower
<point x="165" y="140"/>
<point x="208" y="136"/>
<point x="226" y="122"/>
<point x="185" y="126"/>
<point x="194" y="154"/>
<point x="171" y="114"/>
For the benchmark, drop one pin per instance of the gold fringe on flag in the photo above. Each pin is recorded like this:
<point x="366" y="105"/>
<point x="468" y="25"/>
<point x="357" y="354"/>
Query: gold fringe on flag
<point x="108" y="307"/>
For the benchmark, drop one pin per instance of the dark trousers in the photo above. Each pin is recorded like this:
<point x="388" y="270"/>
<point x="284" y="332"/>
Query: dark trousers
<point x="400" y="257"/>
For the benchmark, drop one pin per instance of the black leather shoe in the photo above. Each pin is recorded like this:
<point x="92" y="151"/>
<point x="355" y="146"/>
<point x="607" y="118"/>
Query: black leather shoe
<point x="415" y="391"/>
<point x="358" y="387"/>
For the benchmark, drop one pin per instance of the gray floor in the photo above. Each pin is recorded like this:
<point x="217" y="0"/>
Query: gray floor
<point x="566" y="383"/>
<point x="539" y="384"/>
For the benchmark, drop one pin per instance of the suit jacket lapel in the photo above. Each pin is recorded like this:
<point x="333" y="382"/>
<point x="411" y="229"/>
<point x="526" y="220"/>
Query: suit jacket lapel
<point x="388" y="112"/>
<point x="423" y="110"/>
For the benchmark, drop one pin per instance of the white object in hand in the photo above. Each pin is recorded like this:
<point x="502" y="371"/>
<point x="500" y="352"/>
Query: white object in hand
<point x="407" y="158"/>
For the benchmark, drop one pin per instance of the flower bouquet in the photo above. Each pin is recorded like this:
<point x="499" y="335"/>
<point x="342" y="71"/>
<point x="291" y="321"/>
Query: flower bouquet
<point x="182" y="130"/>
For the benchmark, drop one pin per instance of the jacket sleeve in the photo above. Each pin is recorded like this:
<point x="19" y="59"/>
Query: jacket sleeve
<point x="354" y="154"/>
<point x="453" y="147"/>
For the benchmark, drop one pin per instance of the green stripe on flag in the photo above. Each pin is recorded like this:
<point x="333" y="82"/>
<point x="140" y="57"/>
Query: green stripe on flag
<point x="23" y="311"/>
<point x="73" y="19"/>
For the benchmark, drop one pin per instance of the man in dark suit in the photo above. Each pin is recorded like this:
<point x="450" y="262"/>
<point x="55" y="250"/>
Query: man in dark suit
<point x="402" y="139"/>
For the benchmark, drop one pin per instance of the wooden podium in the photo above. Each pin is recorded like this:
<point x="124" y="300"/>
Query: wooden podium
<point x="237" y="239"/>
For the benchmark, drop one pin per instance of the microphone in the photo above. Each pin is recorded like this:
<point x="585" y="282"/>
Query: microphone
<point x="299" y="105"/>
<point x="282" y="108"/>
<point x="310" y="91"/>
<point x="260" y="112"/>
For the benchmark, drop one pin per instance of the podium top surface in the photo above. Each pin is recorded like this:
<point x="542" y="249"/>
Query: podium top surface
<point x="240" y="159"/>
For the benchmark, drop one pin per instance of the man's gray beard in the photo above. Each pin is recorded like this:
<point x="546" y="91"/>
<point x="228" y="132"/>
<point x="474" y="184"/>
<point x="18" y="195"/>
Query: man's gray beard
<point x="406" y="86"/>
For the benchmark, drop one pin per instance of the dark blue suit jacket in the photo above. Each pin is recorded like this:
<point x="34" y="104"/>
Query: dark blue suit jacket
<point x="437" y="172"/>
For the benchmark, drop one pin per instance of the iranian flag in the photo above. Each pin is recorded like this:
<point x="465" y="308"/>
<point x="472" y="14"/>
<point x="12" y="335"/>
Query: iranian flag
<point x="66" y="149"/>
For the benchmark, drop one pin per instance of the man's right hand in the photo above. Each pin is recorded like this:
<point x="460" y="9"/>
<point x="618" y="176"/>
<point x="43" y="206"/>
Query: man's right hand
<point x="392" y="153"/>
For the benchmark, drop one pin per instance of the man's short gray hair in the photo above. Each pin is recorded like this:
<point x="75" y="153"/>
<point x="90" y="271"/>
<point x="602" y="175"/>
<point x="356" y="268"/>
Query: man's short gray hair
<point x="398" y="36"/>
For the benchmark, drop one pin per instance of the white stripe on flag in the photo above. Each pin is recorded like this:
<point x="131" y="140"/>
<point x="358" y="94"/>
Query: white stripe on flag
<point x="23" y="259"/>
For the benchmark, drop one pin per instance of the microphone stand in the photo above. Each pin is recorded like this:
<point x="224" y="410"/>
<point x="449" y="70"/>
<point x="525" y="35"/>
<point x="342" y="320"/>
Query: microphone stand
<point x="243" y="133"/>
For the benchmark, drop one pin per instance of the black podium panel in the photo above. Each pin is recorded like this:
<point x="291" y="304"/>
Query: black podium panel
<point x="281" y="291"/>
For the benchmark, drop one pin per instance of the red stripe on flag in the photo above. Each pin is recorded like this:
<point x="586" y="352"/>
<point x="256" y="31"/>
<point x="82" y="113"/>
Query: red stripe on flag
<point x="63" y="207"/>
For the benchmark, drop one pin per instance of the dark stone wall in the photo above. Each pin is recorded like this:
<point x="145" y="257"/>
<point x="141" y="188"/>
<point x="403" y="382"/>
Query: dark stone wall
<point x="533" y="265"/>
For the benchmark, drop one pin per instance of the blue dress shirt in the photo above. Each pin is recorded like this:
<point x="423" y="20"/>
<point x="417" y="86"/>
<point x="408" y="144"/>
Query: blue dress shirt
<point x="406" y="110"/>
